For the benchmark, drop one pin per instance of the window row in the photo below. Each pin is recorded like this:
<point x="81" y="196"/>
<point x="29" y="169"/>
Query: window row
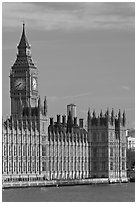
<point x="63" y="166"/>
<point x="21" y="167"/>
<point x="21" y="151"/>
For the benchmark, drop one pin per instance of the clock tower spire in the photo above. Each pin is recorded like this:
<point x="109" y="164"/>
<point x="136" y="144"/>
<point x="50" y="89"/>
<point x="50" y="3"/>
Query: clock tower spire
<point x="23" y="46"/>
<point x="23" y="78"/>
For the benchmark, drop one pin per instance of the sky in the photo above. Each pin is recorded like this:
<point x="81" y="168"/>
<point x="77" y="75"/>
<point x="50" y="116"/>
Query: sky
<point x="84" y="52"/>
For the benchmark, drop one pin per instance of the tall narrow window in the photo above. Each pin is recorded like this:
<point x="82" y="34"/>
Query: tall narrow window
<point x="123" y="165"/>
<point x="5" y="166"/>
<point x="19" y="166"/>
<point x="4" y="150"/>
<point x="24" y="167"/>
<point x="111" y="151"/>
<point x="14" y="166"/>
<point x="9" y="150"/>
<point x="28" y="166"/>
<point x="111" y="165"/>
<point x="19" y="151"/>
<point x="123" y="152"/>
<point x="28" y="150"/>
<point x="43" y="126"/>
<point x="38" y="151"/>
<point x="14" y="150"/>
<point x="37" y="166"/>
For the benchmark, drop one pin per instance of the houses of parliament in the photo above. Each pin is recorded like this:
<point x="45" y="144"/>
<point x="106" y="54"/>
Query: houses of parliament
<point x="37" y="148"/>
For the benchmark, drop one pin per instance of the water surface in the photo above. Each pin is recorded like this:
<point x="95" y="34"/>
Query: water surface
<point x="83" y="193"/>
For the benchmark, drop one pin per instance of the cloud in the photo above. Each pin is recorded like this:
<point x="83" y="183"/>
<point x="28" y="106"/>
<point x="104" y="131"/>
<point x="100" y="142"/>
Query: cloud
<point x="54" y="98"/>
<point x="126" y="88"/>
<point x="69" y="16"/>
<point x="76" y="96"/>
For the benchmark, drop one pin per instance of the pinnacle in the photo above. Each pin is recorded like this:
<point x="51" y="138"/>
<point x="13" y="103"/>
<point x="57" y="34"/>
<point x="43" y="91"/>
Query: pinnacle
<point x="23" y="41"/>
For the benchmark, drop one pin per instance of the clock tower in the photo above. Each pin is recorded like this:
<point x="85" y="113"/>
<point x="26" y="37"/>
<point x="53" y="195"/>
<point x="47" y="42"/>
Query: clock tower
<point x="23" y="79"/>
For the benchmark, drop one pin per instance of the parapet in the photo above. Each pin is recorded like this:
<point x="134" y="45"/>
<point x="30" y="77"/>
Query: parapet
<point x="66" y="126"/>
<point x="22" y="124"/>
<point x="106" y="119"/>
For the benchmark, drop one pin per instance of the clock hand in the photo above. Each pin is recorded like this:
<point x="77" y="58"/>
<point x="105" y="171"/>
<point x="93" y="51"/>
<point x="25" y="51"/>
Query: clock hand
<point x="18" y="84"/>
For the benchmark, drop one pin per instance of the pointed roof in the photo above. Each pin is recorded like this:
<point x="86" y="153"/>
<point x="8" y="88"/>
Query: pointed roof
<point x="89" y="114"/>
<point x="23" y="41"/>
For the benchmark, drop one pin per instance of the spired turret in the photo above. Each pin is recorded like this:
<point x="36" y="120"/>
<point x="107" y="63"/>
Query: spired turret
<point x="101" y="115"/>
<point x="124" y="119"/>
<point x="45" y="106"/>
<point x="23" y="47"/>
<point x="88" y="118"/>
<point x="108" y="119"/>
<point x="89" y="113"/>
<point x="39" y="105"/>
<point x="94" y="114"/>
<point x="119" y="115"/>
<point x="107" y="115"/>
<point x="112" y="117"/>
<point x="120" y="120"/>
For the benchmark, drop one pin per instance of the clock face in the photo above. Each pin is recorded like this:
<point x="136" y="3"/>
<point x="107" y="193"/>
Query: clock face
<point x="34" y="83"/>
<point x="19" y="84"/>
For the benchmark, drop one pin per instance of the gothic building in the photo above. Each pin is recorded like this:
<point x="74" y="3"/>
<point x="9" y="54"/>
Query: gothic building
<point x="107" y="145"/>
<point x="33" y="150"/>
<point x="66" y="149"/>
<point x="27" y="128"/>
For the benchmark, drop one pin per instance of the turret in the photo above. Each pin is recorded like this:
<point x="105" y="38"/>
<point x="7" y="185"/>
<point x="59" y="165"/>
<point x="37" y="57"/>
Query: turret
<point x="51" y="121"/>
<point x="107" y="115"/>
<point x="94" y="114"/>
<point x="75" y="121"/>
<point x="119" y="116"/>
<point x="81" y="122"/>
<point x="89" y="118"/>
<point x="89" y="114"/>
<point x="63" y="119"/>
<point x="58" y="119"/>
<point x="112" y="117"/>
<point x="39" y="105"/>
<point x="11" y="123"/>
<point x="45" y="106"/>
<point x="69" y="121"/>
<point x="101" y="115"/>
<point x="124" y="119"/>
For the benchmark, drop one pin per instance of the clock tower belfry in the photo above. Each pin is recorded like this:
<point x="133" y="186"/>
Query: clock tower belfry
<point x="23" y="79"/>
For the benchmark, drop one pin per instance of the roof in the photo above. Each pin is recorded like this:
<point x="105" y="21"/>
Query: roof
<point x="23" y="41"/>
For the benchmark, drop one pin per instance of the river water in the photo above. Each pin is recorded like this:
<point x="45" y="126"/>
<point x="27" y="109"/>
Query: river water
<point x="82" y="193"/>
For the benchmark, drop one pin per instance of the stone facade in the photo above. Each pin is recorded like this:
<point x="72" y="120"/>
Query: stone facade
<point x="66" y="150"/>
<point x="22" y="141"/>
<point x="107" y="146"/>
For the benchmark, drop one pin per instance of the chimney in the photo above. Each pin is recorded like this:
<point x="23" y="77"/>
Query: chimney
<point x="63" y="119"/>
<point x="71" y="109"/>
<point x="58" y="119"/>
<point x="75" y="121"/>
<point x="81" y="122"/>
<point x="51" y="121"/>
